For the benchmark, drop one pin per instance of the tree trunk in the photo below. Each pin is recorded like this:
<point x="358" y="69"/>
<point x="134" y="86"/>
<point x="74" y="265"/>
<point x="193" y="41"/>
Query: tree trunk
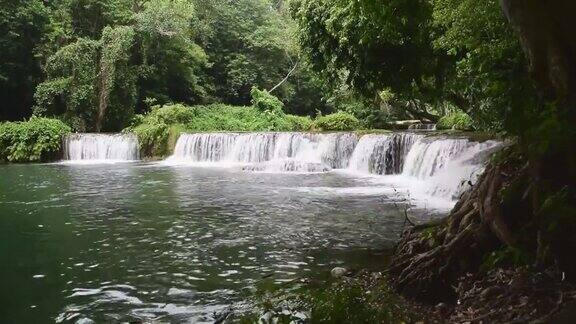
<point x="546" y="30"/>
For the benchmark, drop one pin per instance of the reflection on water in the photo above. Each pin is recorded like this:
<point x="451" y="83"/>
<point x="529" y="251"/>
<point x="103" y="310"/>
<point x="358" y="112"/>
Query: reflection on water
<point x="145" y="241"/>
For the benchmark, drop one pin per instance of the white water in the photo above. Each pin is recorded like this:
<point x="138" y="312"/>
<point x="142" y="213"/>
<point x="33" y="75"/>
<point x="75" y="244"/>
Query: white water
<point x="270" y="152"/>
<point x="382" y="154"/>
<point x="100" y="148"/>
<point x="428" y="168"/>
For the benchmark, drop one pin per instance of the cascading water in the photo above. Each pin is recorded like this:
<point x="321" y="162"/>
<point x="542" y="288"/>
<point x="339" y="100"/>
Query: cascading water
<point x="381" y="154"/>
<point x="427" y="156"/>
<point x="448" y="166"/>
<point x="303" y="152"/>
<point x="426" y="165"/>
<point x="101" y="147"/>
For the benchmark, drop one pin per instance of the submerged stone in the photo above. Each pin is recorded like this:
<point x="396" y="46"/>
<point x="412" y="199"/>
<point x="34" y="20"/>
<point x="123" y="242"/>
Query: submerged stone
<point x="339" y="272"/>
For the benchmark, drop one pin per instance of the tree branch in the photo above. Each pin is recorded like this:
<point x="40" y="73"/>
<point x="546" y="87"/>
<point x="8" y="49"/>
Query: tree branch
<point x="286" y="77"/>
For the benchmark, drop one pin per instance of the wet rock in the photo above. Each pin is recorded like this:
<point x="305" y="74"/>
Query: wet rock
<point x="339" y="272"/>
<point x="85" y="320"/>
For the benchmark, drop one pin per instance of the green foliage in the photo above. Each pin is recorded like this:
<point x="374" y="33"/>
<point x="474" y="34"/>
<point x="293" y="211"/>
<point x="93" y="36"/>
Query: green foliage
<point x="351" y="303"/>
<point x="249" y="43"/>
<point x="35" y="140"/>
<point x="371" y="44"/>
<point x="352" y="300"/>
<point x="265" y="102"/>
<point x="490" y="75"/>
<point x="155" y="129"/>
<point x="116" y="81"/>
<point x="71" y="87"/>
<point x="89" y="17"/>
<point x="171" y="61"/>
<point x="298" y="123"/>
<point x="103" y="58"/>
<point x="170" y="115"/>
<point x="91" y="83"/>
<point x="22" y="26"/>
<point x="456" y="121"/>
<point x="340" y="121"/>
<point x="158" y="130"/>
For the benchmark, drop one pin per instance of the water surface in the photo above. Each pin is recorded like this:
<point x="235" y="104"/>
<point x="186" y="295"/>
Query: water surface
<point x="138" y="241"/>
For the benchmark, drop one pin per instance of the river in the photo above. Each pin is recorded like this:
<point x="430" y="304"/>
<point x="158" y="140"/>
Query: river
<point x="178" y="242"/>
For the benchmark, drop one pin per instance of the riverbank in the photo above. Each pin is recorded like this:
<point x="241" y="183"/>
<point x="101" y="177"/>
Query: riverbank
<point x="499" y="295"/>
<point x="491" y="259"/>
<point x="362" y="296"/>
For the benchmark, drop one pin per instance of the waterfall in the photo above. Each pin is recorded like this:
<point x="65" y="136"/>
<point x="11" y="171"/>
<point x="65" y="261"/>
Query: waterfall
<point x="270" y="151"/>
<point x="448" y="166"/>
<point x="427" y="156"/>
<point x="428" y="166"/>
<point x="382" y="154"/>
<point x="101" y="147"/>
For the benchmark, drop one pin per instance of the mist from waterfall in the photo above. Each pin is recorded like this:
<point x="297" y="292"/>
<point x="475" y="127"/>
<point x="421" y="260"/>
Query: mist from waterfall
<point x="100" y="148"/>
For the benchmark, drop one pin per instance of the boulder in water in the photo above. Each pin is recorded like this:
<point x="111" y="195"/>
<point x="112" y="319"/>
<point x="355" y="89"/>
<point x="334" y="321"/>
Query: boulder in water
<point x="339" y="272"/>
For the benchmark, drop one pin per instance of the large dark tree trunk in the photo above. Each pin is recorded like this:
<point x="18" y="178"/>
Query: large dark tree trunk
<point x="547" y="31"/>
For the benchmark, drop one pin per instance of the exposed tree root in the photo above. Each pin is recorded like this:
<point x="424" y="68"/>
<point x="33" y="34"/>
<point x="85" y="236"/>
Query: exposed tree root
<point x="431" y="257"/>
<point x="434" y="262"/>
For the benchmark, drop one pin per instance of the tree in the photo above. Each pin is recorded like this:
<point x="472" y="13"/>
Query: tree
<point x="490" y="81"/>
<point x="70" y="89"/>
<point x="248" y="43"/>
<point x="22" y="26"/>
<point x="171" y="63"/>
<point x="115" y="75"/>
<point x="374" y="46"/>
<point x="525" y="201"/>
<point x="90" y="17"/>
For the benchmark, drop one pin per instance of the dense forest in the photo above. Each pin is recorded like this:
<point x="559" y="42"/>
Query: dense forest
<point x="161" y="67"/>
<point x="106" y="65"/>
<point x="95" y="64"/>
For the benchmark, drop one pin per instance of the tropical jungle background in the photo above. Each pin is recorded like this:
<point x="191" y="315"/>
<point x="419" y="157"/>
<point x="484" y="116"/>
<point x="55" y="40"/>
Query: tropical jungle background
<point x="106" y="65"/>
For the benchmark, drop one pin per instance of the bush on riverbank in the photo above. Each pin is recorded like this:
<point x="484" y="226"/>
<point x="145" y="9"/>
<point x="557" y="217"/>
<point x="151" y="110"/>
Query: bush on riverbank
<point x="456" y="121"/>
<point x="340" y="121"/>
<point x="35" y="140"/>
<point x="362" y="298"/>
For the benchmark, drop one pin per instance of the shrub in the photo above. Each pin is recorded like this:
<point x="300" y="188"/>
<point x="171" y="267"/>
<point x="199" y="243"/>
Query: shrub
<point x="35" y="140"/>
<point x="457" y="121"/>
<point x="299" y="123"/>
<point x="340" y="121"/>
<point x="158" y="130"/>
<point x="264" y="101"/>
<point x="152" y="138"/>
<point x="171" y="114"/>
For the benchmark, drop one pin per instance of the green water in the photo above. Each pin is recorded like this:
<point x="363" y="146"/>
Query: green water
<point x="137" y="242"/>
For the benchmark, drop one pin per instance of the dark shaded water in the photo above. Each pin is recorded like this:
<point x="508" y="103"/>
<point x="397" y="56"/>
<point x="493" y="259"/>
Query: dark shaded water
<point x="143" y="241"/>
